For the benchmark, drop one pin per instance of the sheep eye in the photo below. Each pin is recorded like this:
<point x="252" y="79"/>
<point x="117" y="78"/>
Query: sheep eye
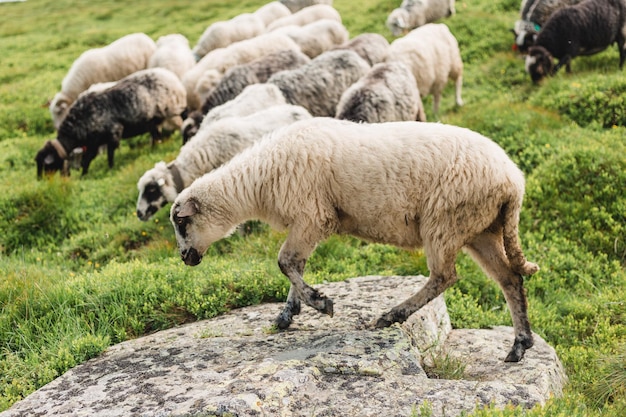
<point x="180" y="220"/>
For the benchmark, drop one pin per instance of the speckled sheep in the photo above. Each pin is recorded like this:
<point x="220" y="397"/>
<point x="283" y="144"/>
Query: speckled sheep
<point x="372" y="47"/>
<point x="225" y="32"/>
<point x="409" y="184"/>
<point x="318" y="85"/>
<point x="318" y="36"/>
<point x="210" y="148"/>
<point x="387" y="93"/>
<point x="305" y="16"/>
<point x="296" y="5"/>
<point x="113" y="62"/>
<point x="173" y="53"/>
<point x="135" y="105"/>
<point x="415" y="13"/>
<point x="241" y="76"/>
<point x="432" y="53"/>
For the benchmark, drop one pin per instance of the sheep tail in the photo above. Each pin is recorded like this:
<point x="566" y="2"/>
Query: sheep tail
<point x="512" y="247"/>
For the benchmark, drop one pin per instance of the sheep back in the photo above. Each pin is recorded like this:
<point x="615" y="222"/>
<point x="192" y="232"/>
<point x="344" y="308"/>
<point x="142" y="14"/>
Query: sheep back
<point x="173" y="53"/>
<point x="272" y="11"/>
<point x="306" y="15"/>
<point x="415" y="13"/>
<point x="223" y="33"/>
<point x="372" y="47"/>
<point x="296" y="5"/>
<point x="317" y="37"/>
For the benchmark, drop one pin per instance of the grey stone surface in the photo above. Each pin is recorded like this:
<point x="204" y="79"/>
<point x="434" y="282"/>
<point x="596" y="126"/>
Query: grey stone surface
<point x="234" y="365"/>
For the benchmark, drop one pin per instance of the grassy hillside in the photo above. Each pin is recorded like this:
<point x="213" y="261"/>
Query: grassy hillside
<point x="79" y="272"/>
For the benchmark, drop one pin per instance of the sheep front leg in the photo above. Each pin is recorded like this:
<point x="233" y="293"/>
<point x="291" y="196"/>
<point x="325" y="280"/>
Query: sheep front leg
<point x="291" y="263"/>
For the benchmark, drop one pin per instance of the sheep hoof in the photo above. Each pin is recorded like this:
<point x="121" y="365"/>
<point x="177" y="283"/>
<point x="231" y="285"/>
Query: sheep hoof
<point x="282" y="321"/>
<point x="519" y="348"/>
<point x="328" y="307"/>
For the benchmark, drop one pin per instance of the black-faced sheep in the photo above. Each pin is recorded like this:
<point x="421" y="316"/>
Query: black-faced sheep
<point x="113" y="62"/>
<point x="533" y="15"/>
<point x="295" y="5"/>
<point x="582" y="29"/>
<point x="173" y="53"/>
<point x="317" y="37"/>
<point x="372" y="47"/>
<point x="415" y="13"/>
<point x="135" y="105"/>
<point x="223" y="33"/>
<point x="305" y="16"/>
<point x="408" y="184"/>
<point x="318" y="85"/>
<point x="387" y="93"/>
<point x="238" y="78"/>
<point x="432" y="53"/>
<point x="218" y="61"/>
<point x="210" y="148"/>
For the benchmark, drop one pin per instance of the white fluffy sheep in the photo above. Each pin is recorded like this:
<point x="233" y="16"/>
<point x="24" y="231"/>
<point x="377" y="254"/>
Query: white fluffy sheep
<point x="305" y="16"/>
<point x="318" y="85"/>
<point x="112" y="62"/>
<point x="432" y="53"/>
<point x="415" y="13"/>
<point x="317" y="37"/>
<point x="225" y="32"/>
<point x="137" y="104"/>
<point x="295" y="5"/>
<point x="173" y="53"/>
<point x="217" y="62"/>
<point x="210" y="148"/>
<point x="409" y="184"/>
<point x="372" y="47"/>
<point x="387" y="93"/>
<point x="272" y="11"/>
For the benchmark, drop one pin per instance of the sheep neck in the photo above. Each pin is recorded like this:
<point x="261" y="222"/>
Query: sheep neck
<point x="178" y="180"/>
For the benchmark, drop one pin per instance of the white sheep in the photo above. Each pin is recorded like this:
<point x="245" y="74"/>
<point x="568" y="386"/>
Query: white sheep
<point x="222" y="33"/>
<point x="272" y="11"/>
<point x="173" y="53"/>
<point x="112" y="62"/>
<point x="316" y="37"/>
<point x="415" y="13"/>
<point x="387" y="93"/>
<point x="305" y="16"/>
<point x="409" y="184"/>
<point x="218" y="61"/>
<point x="318" y="85"/>
<point x="432" y="53"/>
<point x="210" y="148"/>
<point x="295" y="5"/>
<point x="372" y="47"/>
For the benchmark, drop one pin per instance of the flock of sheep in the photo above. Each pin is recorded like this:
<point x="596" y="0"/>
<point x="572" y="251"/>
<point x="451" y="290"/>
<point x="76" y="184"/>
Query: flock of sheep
<point x="288" y="120"/>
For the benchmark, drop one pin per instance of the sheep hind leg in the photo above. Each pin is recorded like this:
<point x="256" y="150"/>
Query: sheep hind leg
<point x="488" y="250"/>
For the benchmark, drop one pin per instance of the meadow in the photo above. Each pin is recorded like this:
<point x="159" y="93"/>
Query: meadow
<point x="79" y="272"/>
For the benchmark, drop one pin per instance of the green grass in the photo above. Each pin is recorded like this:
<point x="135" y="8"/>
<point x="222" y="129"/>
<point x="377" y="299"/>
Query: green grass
<point x="79" y="272"/>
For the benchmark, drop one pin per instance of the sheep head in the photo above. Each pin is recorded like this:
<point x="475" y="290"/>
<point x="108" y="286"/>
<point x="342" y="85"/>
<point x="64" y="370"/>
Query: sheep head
<point x="156" y="189"/>
<point x="51" y="158"/>
<point x="539" y="63"/>
<point x="398" y="22"/>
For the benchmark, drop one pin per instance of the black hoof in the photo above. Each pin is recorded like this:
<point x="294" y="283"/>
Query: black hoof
<point x="519" y="348"/>
<point x="328" y="307"/>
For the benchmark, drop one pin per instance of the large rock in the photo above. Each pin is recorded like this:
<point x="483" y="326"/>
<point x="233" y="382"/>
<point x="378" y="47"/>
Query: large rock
<point x="234" y="365"/>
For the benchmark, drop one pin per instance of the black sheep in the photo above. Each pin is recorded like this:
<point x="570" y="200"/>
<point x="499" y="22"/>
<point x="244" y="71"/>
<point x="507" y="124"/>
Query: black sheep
<point x="582" y="29"/>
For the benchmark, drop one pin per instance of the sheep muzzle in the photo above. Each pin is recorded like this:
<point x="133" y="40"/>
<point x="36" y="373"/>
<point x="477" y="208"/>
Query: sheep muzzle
<point x="191" y="256"/>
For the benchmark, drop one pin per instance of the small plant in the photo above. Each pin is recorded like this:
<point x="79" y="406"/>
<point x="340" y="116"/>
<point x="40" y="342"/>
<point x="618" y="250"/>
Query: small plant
<point x="444" y="366"/>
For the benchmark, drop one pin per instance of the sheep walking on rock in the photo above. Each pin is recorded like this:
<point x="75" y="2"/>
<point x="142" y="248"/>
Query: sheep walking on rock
<point x="582" y="29"/>
<point x="113" y="62"/>
<point x="209" y="149"/>
<point x="388" y="93"/>
<point x="415" y="13"/>
<point x="408" y="184"/>
<point x="317" y="86"/>
<point x="432" y="53"/>
<point x="135" y="105"/>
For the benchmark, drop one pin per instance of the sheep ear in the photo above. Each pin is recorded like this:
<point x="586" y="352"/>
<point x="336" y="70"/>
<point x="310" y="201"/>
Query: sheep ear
<point x="188" y="208"/>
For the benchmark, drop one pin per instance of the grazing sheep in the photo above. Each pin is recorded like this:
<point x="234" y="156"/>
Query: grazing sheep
<point x="409" y="184"/>
<point x="217" y="62"/>
<point x="223" y="33"/>
<point x="318" y="85"/>
<point x="272" y="11"/>
<point x="317" y="37"/>
<point x="173" y="53"/>
<point x="239" y="77"/>
<point x="210" y="148"/>
<point x="432" y="53"/>
<point x="585" y="28"/>
<point x="296" y="5"/>
<point x="134" y="105"/>
<point x="415" y="13"/>
<point x="305" y="16"/>
<point x="387" y="93"/>
<point x="533" y="15"/>
<point x="372" y="47"/>
<point x="113" y="62"/>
